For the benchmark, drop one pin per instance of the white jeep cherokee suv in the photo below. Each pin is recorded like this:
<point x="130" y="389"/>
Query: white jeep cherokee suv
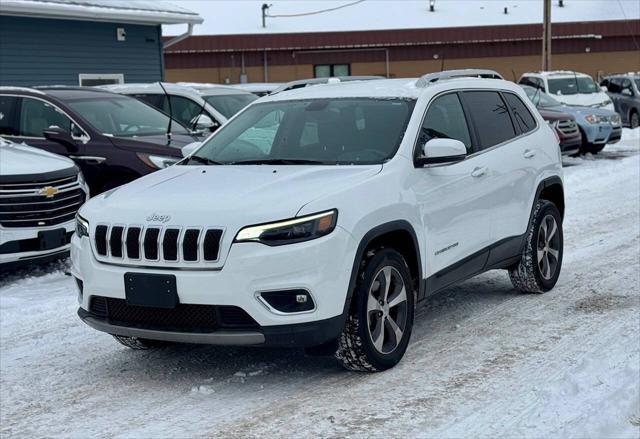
<point x="320" y="217"/>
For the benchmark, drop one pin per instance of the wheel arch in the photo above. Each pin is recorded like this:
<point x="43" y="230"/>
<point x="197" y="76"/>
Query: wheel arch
<point x="399" y="235"/>
<point x="550" y="189"/>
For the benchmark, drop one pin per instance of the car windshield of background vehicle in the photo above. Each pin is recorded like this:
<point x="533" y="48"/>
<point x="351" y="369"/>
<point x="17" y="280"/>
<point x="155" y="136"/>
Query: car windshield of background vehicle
<point x="228" y="105"/>
<point x="572" y="86"/>
<point x="637" y="81"/>
<point x="541" y="99"/>
<point x="121" y="116"/>
<point x="349" y="131"/>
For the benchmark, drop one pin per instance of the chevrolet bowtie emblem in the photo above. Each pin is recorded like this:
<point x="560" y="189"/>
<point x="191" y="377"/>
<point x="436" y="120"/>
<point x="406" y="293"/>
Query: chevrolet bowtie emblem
<point x="48" y="191"/>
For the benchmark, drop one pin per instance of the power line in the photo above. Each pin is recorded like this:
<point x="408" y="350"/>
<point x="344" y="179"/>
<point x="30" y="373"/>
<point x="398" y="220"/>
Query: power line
<point x="626" y="22"/>
<point x="302" y="14"/>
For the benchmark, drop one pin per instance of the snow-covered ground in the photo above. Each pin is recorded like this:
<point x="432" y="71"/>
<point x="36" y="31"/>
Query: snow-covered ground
<point x="484" y="361"/>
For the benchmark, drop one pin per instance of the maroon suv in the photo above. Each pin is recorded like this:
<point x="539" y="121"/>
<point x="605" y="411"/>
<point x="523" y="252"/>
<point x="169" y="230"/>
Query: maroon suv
<point x="566" y="128"/>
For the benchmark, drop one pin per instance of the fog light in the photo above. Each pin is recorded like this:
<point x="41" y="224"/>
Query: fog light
<point x="287" y="301"/>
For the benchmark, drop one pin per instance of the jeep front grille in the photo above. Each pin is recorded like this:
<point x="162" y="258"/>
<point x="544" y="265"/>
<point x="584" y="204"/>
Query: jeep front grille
<point x="40" y="204"/>
<point x="568" y="127"/>
<point x="154" y="243"/>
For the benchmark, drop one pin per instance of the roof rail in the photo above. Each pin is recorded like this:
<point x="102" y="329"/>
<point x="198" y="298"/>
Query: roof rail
<point x="430" y="78"/>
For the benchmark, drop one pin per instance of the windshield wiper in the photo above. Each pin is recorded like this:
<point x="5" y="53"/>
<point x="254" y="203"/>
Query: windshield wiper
<point x="202" y="160"/>
<point x="278" y="162"/>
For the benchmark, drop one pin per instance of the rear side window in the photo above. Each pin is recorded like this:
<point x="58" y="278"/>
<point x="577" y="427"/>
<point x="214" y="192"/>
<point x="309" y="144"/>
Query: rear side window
<point x="8" y="112"/>
<point x="490" y="117"/>
<point x="521" y="114"/>
<point x="445" y="120"/>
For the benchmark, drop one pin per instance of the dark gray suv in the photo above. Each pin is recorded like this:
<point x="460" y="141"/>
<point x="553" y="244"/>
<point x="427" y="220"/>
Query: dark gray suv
<point x="624" y="90"/>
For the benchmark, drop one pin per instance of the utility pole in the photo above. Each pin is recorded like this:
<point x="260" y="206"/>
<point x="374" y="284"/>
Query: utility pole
<point x="265" y="8"/>
<point x="546" y="36"/>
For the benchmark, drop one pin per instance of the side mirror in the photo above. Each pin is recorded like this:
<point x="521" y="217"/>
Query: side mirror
<point x="626" y="92"/>
<point x="604" y="88"/>
<point x="203" y="122"/>
<point x="56" y="134"/>
<point x="187" y="150"/>
<point x="442" y="151"/>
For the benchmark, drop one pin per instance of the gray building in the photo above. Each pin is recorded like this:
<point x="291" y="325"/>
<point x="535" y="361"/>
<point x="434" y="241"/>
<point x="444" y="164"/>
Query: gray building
<point x="85" y="42"/>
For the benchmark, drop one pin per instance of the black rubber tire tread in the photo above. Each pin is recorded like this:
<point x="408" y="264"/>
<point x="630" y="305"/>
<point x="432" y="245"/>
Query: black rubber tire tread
<point x="353" y="352"/>
<point x="140" y="344"/>
<point x="525" y="276"/>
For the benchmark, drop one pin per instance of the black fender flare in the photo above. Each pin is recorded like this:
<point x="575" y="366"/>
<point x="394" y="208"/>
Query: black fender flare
<point x="547" y="182"/>
<point x="382" y="229"/>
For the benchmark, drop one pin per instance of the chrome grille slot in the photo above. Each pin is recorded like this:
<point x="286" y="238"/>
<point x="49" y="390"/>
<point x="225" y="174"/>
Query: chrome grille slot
<point x="153" y="245"/>
<point x="568" y="127"/>
<point x="133" y="242"/>
<point x="115" y="241"/>
<point x="40" y="204"/>
<point x="101" y="239"/>
<point x="170" y="244"/>
<point x="211" y="244"/>
<point x="190" y="245"/>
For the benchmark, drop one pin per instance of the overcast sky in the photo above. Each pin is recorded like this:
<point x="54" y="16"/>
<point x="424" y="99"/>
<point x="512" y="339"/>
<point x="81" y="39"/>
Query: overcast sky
<point x="245" y="16"/>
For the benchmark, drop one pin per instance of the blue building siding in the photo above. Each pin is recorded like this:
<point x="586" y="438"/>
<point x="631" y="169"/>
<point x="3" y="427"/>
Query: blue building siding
<point x="38" y="51"/>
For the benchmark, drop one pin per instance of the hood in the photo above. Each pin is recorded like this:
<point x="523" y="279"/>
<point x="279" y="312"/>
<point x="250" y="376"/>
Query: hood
<point x="554" y="113"/>
<point x="21" y="159"/>
<point x="230" y="197"/>
<point x="578" y="111"/>
<point x="177" y="141"/>
<point x="582" y="99"/>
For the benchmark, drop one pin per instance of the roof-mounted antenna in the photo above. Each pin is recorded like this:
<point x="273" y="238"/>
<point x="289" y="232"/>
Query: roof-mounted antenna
<point x="170" y="112"/>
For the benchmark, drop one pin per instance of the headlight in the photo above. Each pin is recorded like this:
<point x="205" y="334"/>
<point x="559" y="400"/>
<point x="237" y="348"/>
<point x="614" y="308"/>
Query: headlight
<point x="592" y="118"/>
<point x="290" y="231"/>
<point x="83" y="183"/>
<point x="158" y="161"/>
<point x="82" y="226"/>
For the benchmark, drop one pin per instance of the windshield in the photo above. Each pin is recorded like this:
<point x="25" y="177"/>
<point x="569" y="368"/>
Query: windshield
<point x="228" y="105"/>
<point x="637" y="81"/>
<point x="315" y="131"/>
<point x="122" y="116"/>
<point x="572" y="86"/>
<point x="540" y="98"/>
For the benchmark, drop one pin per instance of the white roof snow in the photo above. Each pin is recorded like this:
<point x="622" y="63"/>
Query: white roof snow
<point x="120" y="11"/>
<point x="224" y="17"/>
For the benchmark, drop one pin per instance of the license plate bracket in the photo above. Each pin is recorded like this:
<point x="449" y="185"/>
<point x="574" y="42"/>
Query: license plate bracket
<point x="50" y="239"/>
<point x="151" y="290"/>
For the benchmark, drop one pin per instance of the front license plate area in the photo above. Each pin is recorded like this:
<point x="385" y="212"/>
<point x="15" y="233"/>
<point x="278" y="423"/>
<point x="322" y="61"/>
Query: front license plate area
<point x="153" y="290"/>
<point x="50" y="239"/>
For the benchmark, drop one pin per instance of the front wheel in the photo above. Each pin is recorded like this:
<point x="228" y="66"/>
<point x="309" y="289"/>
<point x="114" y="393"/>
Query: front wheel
<point x="539" y="266"/>
<point x="378" y="328"/>
<point x="634" y="120"/>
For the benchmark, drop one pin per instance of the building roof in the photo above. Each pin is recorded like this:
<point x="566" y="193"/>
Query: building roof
<point x="227" y="17"/>
<point x="402" y="37"/>
<point x="119" y="11"/>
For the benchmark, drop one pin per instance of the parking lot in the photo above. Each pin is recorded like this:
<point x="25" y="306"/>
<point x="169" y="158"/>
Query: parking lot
<point x="482" y="357"/>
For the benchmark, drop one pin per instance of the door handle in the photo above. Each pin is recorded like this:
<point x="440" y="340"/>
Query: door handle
<point x="88" y="158"/>
<point x="528" y="153"/>
<point x="478" y="172"/>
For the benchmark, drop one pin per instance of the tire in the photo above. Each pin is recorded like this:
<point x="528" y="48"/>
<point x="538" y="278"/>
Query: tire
<point x="141" y="344"/>
<point x="370" y="341"/>
<point x="541" y="261"/>
<point x="585" y="146"/>
<point x="634" y="120"/>
<point x="596" y="148"/>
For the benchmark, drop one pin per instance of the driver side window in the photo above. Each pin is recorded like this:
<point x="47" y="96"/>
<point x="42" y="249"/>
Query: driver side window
<point x="445" y="120"/>
<point x="37" y="115"/>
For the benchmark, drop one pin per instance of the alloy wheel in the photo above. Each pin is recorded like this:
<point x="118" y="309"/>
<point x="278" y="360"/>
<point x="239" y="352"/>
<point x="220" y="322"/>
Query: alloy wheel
<point x="387" y="309"/>
<point x="548" y="247"/>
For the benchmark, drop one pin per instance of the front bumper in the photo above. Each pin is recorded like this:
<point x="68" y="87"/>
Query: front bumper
<point x="322" y="267"/>
<point x="601" y="134"/>
<point x="23" y="244"/>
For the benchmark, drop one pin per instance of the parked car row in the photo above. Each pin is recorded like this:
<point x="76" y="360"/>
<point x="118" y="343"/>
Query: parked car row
<point x="118" y="133"/>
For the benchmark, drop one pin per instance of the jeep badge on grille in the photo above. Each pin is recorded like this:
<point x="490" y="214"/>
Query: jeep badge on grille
<point x="157" y="218"/>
